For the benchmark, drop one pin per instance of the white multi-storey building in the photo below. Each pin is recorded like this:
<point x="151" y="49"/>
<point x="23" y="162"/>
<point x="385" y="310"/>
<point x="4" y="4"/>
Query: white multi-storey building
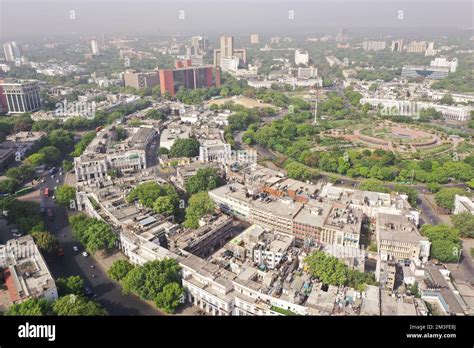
<point x="301" y="57"/>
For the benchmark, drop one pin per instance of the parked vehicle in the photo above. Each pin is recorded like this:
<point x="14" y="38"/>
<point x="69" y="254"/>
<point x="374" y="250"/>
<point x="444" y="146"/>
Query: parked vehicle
<point x="49" y="213"/>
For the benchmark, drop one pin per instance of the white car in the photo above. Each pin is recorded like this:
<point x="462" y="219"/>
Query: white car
<point x="60" y="173"/>
<point x="85" y="254"/>
<point x="52" y="176"/>
<point x="57" y="181"/>
<point x="55" y="188"/>
<point x="75" y="248"/>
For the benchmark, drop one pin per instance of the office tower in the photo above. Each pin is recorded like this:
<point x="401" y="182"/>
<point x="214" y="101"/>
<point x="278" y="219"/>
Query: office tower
<point x="373" y="45"/>
<point x="141" y="80"/>
<point x="21" y="95"/>
<point x="12" y="51"/>
<point x="227" y="46"/>
<point x="397" y="45"/>
<point x="95" y="46"/>
<point x="228" y="52"/>
<point x="301" y="57"/>
<point x="189" y="77"/>
<point x="254" y="39"/>
<point x="200" y="43"/>
<point x="275" y="40"/>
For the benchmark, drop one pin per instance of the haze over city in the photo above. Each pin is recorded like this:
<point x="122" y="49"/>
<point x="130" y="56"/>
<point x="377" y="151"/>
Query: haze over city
<point x="161" y="161"/>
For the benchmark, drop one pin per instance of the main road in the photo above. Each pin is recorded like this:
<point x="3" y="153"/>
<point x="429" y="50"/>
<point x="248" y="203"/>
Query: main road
<point x="109" y="293"/>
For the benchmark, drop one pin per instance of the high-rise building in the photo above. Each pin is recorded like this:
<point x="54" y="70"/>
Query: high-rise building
<point x="301" y="57"/>
<point x="397" y="45"/>
<point x="254" y="39"/>
<point x="417" y="47"/>
<point x="227" y="46"/>
<point x="12" y="51"/>
<point x="141" y="80"/>
<point x="342" y="36"/>
<point x="228" y="52"/>
<point x="373" y="45"/>
<point x="189" y="77"/>
<point x="95" y="46"/>
<point x="21" y="95"/>
<point x="200" y="43"/>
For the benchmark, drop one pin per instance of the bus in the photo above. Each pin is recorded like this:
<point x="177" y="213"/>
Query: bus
<point x="46" y="192"/>
<point x="24" y="191"/>
<point x="49" y="213"/>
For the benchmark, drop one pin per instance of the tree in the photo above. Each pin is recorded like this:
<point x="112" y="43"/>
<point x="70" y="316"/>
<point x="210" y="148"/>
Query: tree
<point x="205" y="179"/>
<point x="445" y="242"/>
<point x="8" y="186"/>
<point x="152" y="195"/>
<point x="36" y="159"/>
<point x="164" y="205"/>
<point x="445" y="197"/>
<point x="99" y="237"/>
<point x="94" y="234"/>
<point x="373" y="185"/>
<point x="169" y="298"/>
<point x="464" y="222"/>
<point x="148" y="281"/>
<point x="51" y="154"/>
<point x="65" y="195"/>
<point x="119" y="270"/>
<point x="46" y="241"/>
<point x="71" y="285"/>
<point x="185" y="148"/>
<point x="61" y="139"/>
<point x="21" y="173"/>
<point x="73" y="305"/>
<point x="199" y="205"/>
<point x="327" y="269"/>
<point x="30" y="307"/>
<point x="299" y="171"/>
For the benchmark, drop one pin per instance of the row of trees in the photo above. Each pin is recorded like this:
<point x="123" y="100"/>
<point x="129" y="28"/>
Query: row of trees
<point x="94" y="234"/>
<point x="158" y="281"/>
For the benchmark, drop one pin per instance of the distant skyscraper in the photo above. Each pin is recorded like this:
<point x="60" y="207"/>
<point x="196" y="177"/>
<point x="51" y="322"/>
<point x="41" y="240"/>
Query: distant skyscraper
<point x="254" y="39"/>
<point x="200" y="43"/>
<point x="397" y="45"/>
<point x="12" y="51"/>
<point x="227" y="46"/>
<point x="95" y="46"/>
<point x="228" y="53"/>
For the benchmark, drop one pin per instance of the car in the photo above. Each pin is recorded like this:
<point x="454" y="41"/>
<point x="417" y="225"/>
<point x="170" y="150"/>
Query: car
<point x="60" y="173"/>
<point x="85" y="254"/>
<point x="43" y="181"/>
<point x="75" y="248"/>
<point x="53" y="197"/>
<point x="55" y="188"/>
<point x="52" y="176"/>
<point x="89" y="293"/>
<point x="57" y="181"/>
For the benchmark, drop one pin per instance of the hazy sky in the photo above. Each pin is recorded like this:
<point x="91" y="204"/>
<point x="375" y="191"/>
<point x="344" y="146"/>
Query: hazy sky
<point x="38" y="18"/>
